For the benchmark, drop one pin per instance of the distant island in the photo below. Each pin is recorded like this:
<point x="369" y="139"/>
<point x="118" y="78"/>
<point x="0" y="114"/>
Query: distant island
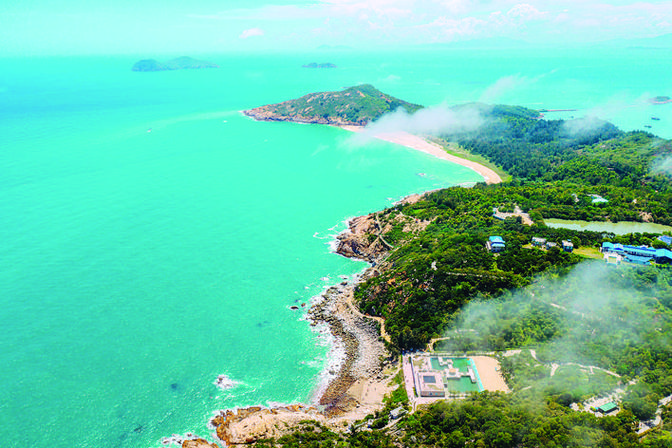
<point x="354" y="106"/>
<point x="334" y="47"/>
<point x="322" y="65"/>
<point x="660" y="100"/>
<point x="181" y="63"/>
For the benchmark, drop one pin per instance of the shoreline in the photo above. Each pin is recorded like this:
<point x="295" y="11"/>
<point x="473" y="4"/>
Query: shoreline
<point x="356" y="390"/>
<point x="420" y="144"/>
<point x="356" y="385"/>
<point x="402" y="138"/>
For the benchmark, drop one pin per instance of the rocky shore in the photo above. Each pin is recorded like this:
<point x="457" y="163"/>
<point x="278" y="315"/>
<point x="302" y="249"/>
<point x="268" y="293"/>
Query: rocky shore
<point x="360" y="382"/>
<point x="364" y="352"/>
<point x="266" y="113"/>
<point x="355" y="242"/>
<point x="254" y="423"/>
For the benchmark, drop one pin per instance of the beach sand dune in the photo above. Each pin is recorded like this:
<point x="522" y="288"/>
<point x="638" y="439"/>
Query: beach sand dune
<point x="418" y="143"/>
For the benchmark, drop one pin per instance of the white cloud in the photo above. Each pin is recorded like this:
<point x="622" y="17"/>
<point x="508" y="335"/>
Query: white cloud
<point x="430" y="120"/>
<point x="424" y="21"/>
<point x="251" y="32"/>
<point x="525" y="11"/>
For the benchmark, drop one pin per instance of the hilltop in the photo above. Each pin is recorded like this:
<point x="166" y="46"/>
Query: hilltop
<point x="355" y="106"/>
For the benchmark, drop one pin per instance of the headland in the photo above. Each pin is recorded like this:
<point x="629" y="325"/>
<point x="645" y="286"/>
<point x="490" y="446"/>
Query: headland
<point x="353" y="109"/>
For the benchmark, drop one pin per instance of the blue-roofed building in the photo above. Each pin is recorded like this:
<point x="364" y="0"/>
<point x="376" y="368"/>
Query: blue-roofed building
<point x="665" y="239"/>
<point x="567" y="245"/>
<point x="495" y="244"/>
<point x="607" y="247"/>
<point x="635" y="259"/>
<point x="640" y="251"/>
<point x="637" y="254"/>
<point x="663" y="256"/>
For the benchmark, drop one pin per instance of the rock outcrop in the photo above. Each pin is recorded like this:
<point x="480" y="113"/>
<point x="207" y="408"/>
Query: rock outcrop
<point x="361" y="241"/>
<point x="360" y="339"/>
<point x="255" y="423"/>
<point x="198" y="443"/>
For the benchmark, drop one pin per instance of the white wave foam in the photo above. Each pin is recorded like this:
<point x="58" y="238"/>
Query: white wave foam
<point x="334" y="360"/>
<point x="225" y="383"/>
<point x="178" y="439"/>
<point x="333" y="245"/>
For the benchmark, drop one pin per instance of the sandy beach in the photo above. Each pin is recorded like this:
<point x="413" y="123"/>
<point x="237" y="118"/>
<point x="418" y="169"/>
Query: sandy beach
<point x="490" y="372"/>
<point x="418" y="143"/>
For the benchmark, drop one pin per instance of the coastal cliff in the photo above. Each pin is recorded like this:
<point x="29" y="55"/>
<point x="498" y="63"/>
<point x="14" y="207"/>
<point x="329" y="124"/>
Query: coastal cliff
<point x="354" y="243"/>
<point x="355" y="106"/>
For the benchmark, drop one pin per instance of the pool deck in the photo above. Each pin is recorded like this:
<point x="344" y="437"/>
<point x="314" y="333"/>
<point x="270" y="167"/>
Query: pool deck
<point x="487" y="371"/>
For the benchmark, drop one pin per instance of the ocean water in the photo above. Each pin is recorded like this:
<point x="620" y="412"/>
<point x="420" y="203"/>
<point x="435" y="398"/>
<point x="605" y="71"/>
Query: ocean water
<point x="153" y="238"/>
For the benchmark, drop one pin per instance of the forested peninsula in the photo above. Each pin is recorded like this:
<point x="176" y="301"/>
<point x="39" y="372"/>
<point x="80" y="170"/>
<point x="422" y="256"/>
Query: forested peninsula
<point x="567" y="328"/>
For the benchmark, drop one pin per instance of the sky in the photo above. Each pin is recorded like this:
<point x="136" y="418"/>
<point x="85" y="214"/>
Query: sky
<point x="44" y="27"/>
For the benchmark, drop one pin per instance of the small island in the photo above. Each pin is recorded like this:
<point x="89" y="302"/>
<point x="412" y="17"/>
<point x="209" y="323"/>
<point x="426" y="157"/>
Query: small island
<point x="181" y="63"/>
<point x="322" y="65"/>
<point x="660" y="100"/>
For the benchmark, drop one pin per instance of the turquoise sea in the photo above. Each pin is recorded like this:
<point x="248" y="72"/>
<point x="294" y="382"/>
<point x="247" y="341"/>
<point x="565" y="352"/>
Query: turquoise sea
<point x="153" y="238"/>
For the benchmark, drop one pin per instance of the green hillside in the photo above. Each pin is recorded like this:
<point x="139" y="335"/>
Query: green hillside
<point x="564" y="328"/>
<point x="353" y="106"/>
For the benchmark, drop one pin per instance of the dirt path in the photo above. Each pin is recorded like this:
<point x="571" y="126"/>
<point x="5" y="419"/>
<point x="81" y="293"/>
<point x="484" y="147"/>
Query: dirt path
<point x="350" y="302"/>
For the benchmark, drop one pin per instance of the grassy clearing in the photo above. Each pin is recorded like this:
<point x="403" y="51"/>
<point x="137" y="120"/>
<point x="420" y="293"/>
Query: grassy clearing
<point x="588" y="252"/>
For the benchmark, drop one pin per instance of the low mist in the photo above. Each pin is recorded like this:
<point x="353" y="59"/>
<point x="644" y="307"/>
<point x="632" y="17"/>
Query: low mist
<point x="431" y="120"/>
<point x="567" y="317"/>
<point x="502" y="86"/>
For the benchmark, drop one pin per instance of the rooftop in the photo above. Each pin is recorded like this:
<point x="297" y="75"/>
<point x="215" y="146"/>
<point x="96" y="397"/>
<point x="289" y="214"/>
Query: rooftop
<point x="608" y="407"/>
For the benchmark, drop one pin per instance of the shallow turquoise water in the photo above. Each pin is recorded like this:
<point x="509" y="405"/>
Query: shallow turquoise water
<point x="138" y="266"/>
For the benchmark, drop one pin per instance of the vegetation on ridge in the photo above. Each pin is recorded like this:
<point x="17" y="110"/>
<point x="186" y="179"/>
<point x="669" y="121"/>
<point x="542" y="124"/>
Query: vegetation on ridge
<point x="357" y="105"/>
